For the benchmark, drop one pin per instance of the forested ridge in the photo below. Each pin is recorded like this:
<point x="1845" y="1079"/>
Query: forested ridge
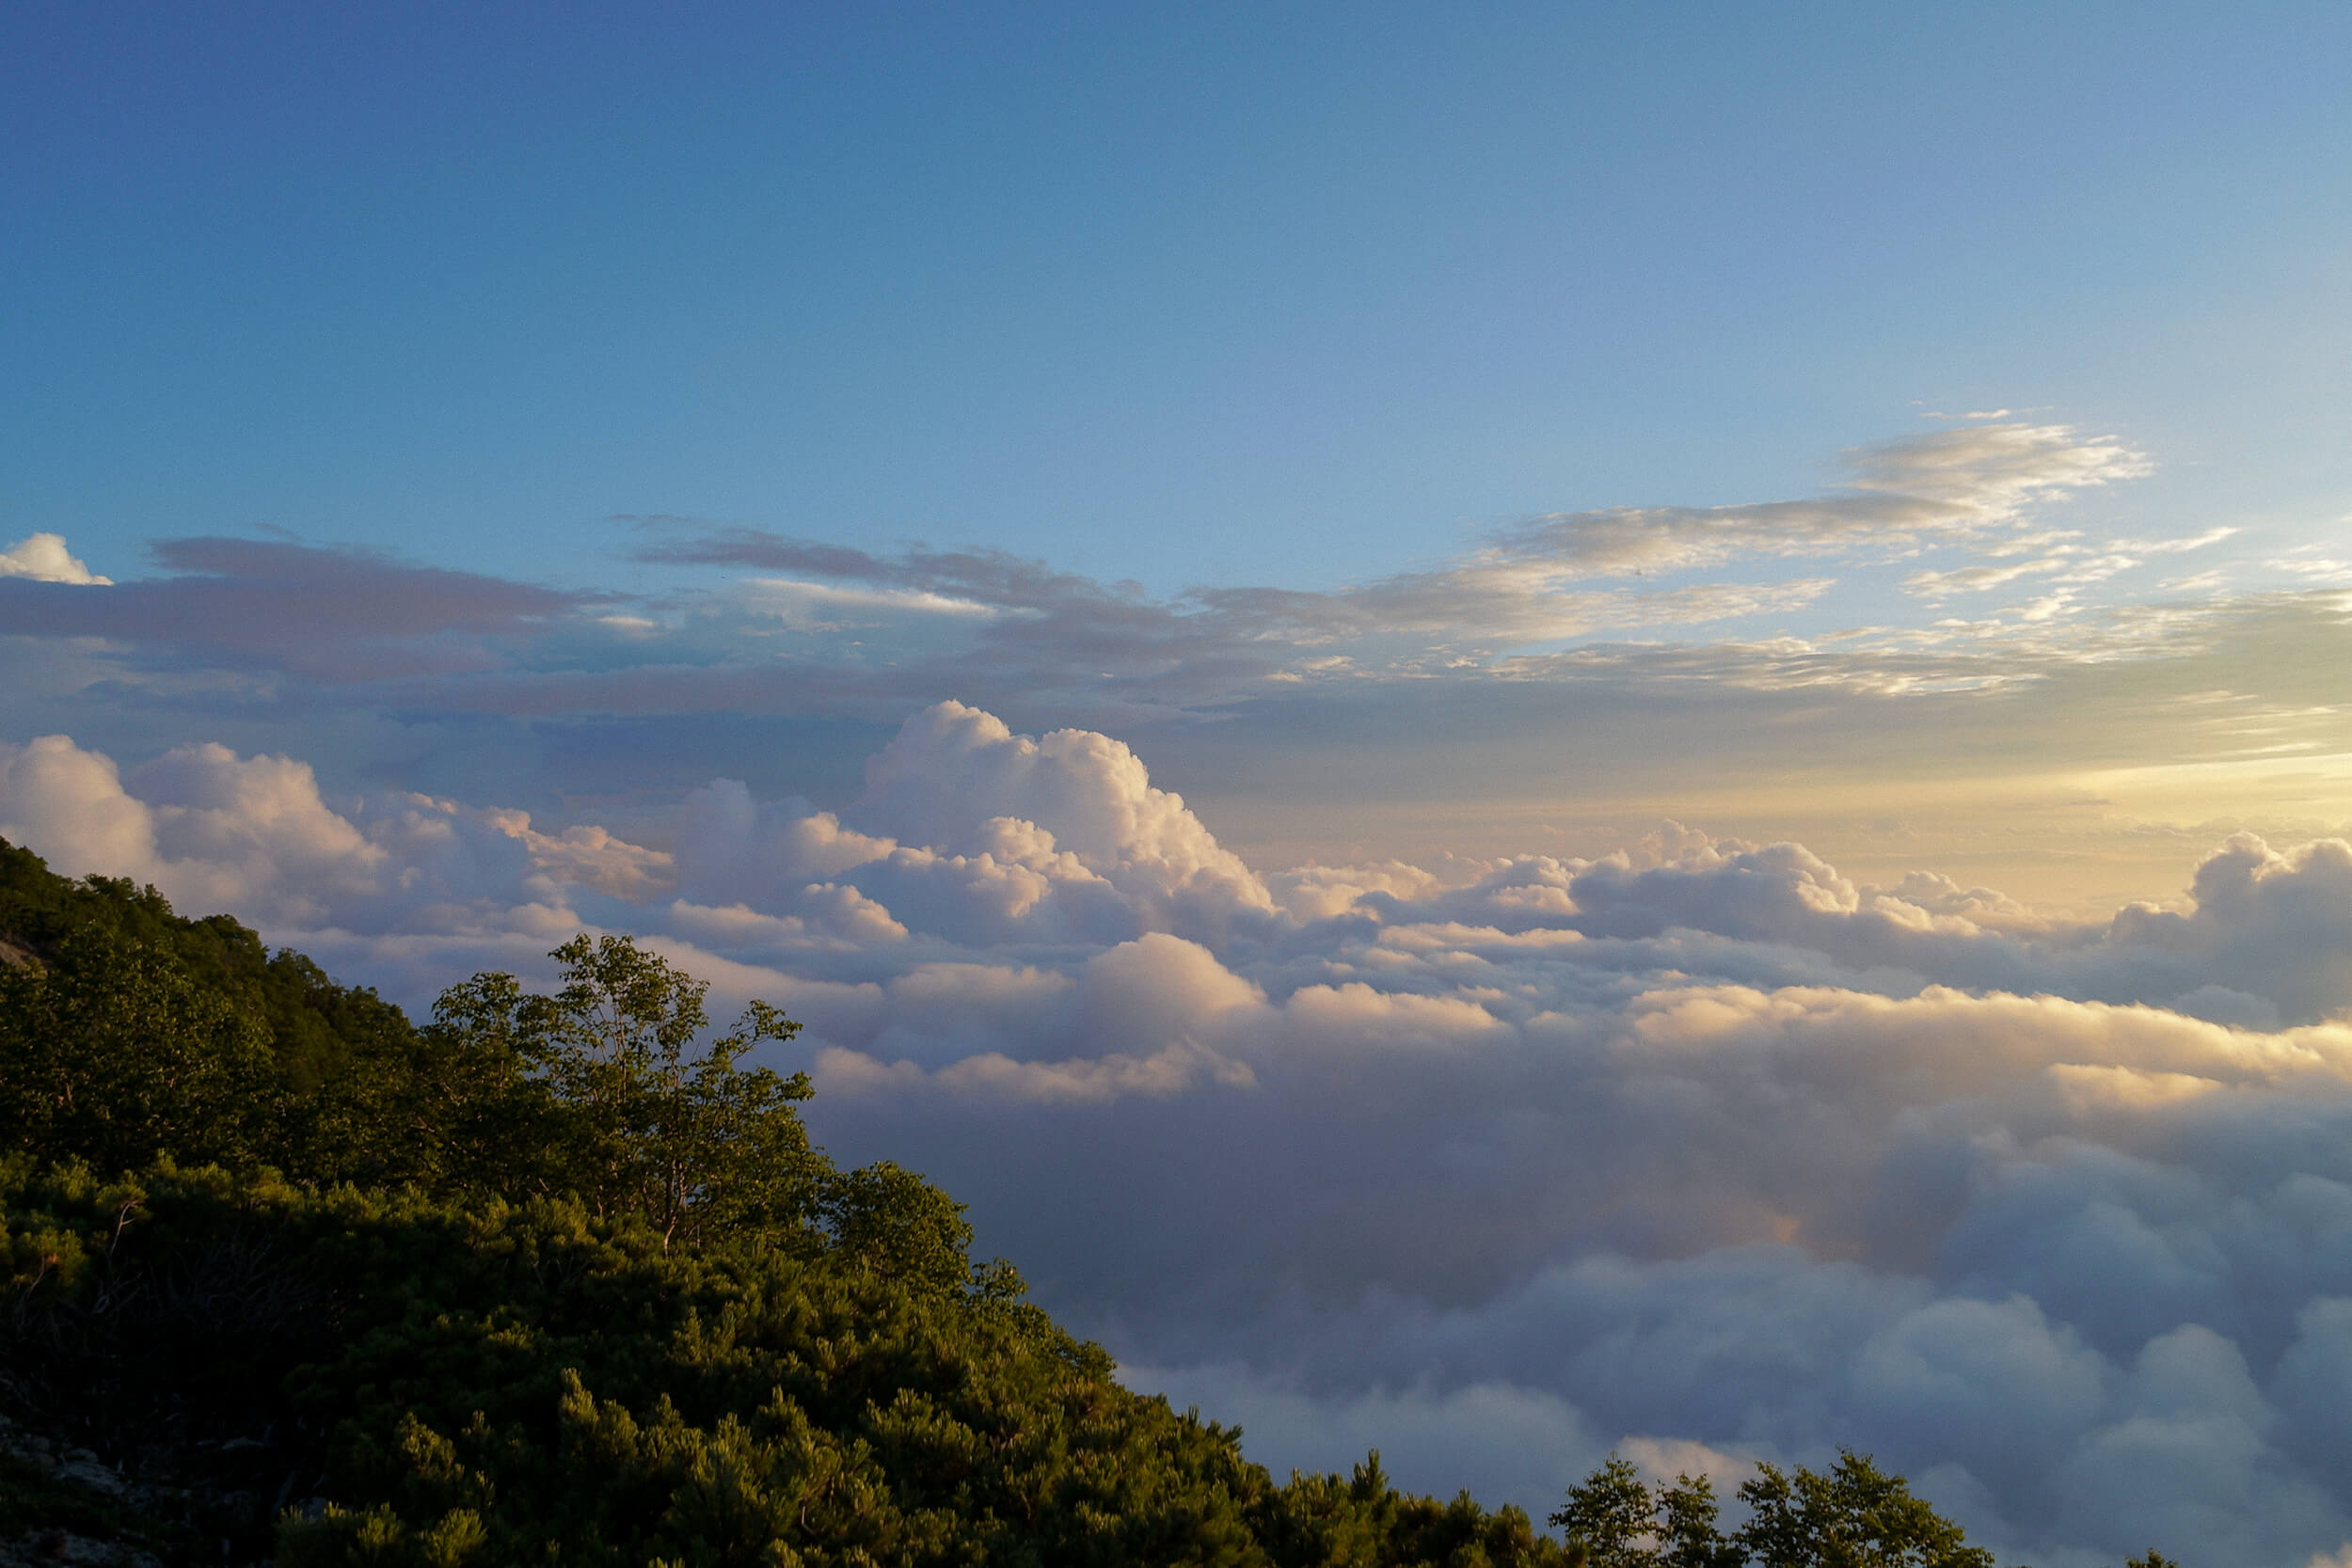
<point x="560" y="1279"/>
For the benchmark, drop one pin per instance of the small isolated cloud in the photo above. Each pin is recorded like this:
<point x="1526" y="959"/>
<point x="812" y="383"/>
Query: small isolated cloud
<point x="1976" y="579"/>
<point x="44" y="558"/>
<point x="2312" y="567"/>
<point x="2176" y="546"/>
<point x="831" y="606"/>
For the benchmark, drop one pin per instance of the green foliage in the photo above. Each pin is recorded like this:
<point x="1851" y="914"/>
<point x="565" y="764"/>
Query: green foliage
<point x="316" y="1028"/>
<point x="892" y="1221"/>
<point x="113" y="1053"/>
<point x="1619" y="1523"/>
<point x="1364" y="1522"/>
<point x="439" y="1384"/>
<point x="1687" y="1533"/>
<point x="1854" y="1516"/>
<point x="645" y="1125"/>
<point x="451" y="1109"/>
<point x="1608" y="1513"/>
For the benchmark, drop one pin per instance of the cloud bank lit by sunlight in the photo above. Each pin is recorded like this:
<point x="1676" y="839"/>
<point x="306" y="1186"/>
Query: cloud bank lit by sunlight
<point x="1700" y="1147"/>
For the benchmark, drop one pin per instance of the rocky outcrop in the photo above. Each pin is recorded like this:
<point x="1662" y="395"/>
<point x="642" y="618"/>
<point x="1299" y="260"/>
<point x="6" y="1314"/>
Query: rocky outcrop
<point x="60" y="1504"/>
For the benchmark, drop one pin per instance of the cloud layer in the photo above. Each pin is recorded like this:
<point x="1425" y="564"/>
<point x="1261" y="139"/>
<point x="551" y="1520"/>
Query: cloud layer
<point x="1627" y="570"/>
<point x="809" y="626"/>
<point x="1952" y="605"/>
<point x="1699" y="1146"/>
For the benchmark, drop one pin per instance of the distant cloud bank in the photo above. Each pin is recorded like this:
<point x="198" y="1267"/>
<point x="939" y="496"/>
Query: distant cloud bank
<point x="1700" y="1147"/>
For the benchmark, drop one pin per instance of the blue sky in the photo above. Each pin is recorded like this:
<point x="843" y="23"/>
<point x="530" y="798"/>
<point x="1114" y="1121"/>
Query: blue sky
<point x="1227" y="295"/>
<point x="1517" y="730"/>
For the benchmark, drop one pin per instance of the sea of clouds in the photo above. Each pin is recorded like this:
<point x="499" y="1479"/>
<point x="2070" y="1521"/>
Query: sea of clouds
<point x="1698" y="1150"/>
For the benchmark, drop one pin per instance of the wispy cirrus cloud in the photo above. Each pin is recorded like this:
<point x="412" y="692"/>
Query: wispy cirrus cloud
<point x="1942" y="487"/>
<point x="2071" y="564"/>
<point x="1549" y="580"/>
<point x="836" y="628"/>
<point x="1953" y="486"/>
<point x="1977" y="579"/>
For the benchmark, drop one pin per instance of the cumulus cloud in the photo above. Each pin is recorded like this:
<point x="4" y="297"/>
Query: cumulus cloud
<point x="416" y="882"/>
<point x="44" y="558"/>
<point x="973" y="836"/>
<point x="1701" y="1148"/>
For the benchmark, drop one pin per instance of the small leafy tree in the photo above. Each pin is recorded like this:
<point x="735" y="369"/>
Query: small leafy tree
<point x="1856" y="1517"/>
<point x="1610" y="1514"/>
<point x="451" y="1109"/>
<point x="611" y="1080"/>
<point x="643" y="1121"/>
<point x="1688" y="1535"/>
<point x="889" y="1220"/>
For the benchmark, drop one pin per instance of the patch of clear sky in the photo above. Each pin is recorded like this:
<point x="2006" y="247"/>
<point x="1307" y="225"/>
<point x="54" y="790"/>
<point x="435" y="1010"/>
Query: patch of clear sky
<point x="1217" y="294"/>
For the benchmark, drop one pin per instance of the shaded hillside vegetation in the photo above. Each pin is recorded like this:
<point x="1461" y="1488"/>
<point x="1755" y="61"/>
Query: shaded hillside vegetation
<point x="557" y="1279"/>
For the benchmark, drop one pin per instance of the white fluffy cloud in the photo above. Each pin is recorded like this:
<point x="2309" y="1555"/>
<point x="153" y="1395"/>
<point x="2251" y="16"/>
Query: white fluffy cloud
<point x="971" y="834"/>
<point x="412" y="885"/>
<point x="1702" y="1148"/>
<point x="44" y="558"/>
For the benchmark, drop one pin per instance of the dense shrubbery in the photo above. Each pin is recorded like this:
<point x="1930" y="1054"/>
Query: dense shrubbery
<point x="532" y="1375"/>
<point x="556" y="1279"/>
